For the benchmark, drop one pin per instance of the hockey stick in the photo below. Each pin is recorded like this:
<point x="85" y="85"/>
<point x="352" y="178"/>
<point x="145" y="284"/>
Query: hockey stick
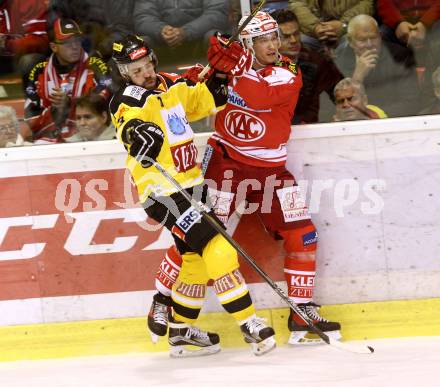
<point x="201" y="209"/>
<point x="235" y="36"/>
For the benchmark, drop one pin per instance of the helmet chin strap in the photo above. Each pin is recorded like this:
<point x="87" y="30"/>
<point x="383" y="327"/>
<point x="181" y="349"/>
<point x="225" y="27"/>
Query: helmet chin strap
<point x="255" y="61"/>
<point x="258" y="62"/>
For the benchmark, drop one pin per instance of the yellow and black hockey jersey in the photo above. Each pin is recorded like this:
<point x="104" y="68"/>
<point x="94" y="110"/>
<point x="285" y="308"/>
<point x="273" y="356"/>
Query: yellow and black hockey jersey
<point x="172" y="105"/>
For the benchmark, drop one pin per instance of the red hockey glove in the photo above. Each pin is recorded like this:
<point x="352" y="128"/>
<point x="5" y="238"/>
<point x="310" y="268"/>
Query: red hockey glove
<point x="192" y="73"/>
<point x="234" y="60"/>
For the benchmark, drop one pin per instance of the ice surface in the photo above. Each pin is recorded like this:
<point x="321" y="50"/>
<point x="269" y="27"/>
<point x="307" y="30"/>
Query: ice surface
<point x="406" y="362"/>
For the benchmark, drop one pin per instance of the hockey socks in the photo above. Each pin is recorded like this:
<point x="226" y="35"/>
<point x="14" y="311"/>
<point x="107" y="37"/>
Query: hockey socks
<point x="188" y="301"/>
<point x="168" y="271"/>
<point x="300" y="278"/>
<point x="233" y="294"/>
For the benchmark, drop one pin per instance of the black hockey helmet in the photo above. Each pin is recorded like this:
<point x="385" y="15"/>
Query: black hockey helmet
<point x="130" y="49"/>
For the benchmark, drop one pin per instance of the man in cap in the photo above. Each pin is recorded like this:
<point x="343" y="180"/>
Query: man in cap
<point x="52" y="85"/>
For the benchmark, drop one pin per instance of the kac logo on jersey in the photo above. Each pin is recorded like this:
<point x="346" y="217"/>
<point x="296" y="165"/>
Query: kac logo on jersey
<point x="244" y="126"/>
<point x="176" y="124"/>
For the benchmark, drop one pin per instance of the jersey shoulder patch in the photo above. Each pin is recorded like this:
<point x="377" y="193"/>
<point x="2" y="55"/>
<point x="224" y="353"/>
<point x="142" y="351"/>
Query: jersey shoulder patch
<point x="37" y="69"/>
<point x="135" y="92"/>
<point x="171" y="76"/>
<point x="287" y="64"/>
<point x="131" y="96"/>
<point x="170" y="79"/>
<point x="134" y="96"/>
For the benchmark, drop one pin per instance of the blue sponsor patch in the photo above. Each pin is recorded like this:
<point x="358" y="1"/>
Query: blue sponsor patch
<point x="188" y="219"/>
<point x="309" y="238"/>
<point x="235" y="99"/>
<point x="176" y="124"/>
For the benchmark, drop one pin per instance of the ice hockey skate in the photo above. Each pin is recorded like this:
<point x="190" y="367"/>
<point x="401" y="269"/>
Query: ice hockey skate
<point x="259" y="335"/>
<point x="301" y="334"/>
<point x="189" y="341"/>
<point x="158" y="316"/>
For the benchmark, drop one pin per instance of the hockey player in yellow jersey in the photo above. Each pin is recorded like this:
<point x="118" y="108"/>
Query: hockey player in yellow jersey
<point x="151" y="114"/>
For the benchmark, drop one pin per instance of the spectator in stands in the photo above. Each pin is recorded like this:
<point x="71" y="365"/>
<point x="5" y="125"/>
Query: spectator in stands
<point x="52" y="85"/>
<point x="352" y="102"/>
<point x="23" y="35"/>
<point x="434" y="108"/>
<point x="92" y="119"/>
<point x="10" y="128"/>
<point x="325" y="22"/>
<point x="414" y="24"/>
<point x="101" y="21"/>
<point x="392" y="85"/>
<point x="184" y="26"/>
<point x="319" y="73"/>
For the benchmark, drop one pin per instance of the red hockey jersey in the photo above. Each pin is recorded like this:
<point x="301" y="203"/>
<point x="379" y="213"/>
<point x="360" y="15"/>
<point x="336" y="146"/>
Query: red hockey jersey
<point x="254" y="127"/>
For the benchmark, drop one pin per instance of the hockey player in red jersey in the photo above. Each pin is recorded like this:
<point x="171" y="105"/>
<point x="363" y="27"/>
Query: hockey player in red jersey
<point x="248" y="149"/>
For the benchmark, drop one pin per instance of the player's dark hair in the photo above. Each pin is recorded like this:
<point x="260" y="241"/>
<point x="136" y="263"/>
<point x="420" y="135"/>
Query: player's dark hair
<point x="284" y="16"/>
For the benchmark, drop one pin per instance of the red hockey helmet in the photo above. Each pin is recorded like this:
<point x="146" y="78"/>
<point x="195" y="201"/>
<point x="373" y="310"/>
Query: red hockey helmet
<point x="261" y="24"/>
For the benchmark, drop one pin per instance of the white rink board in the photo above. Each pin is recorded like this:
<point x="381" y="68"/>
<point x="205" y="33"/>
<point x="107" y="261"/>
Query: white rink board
<point x="395" y="253"/>
<point x="110" y="305"/>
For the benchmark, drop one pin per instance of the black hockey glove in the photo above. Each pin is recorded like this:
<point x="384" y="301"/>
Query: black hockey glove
<point x="145" y="139"/>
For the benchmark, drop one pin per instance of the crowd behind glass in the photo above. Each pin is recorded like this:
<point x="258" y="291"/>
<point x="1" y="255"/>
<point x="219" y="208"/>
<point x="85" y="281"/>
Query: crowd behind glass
<point x="360" y="59"/>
